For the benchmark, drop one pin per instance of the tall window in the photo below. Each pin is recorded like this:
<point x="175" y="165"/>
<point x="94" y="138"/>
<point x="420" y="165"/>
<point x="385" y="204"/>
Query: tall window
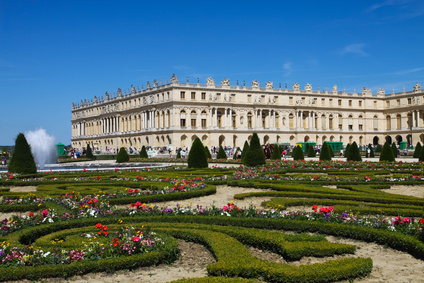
<point x="249" y="98"/>
<point x="388" y="123"/>
<point x="330" y="122"/>
<point x="182" y="95"/>
<point x="340" y="122"/>
<point x="203" y="123"/>
<point x="249" y="120"/>
<point x="277" y="121"/>
<point x="323" y="124"/>
<point x="203" y="96"/>
<point x="291" y="121"/>
<point x="398" y="122"/>
<point x="182" y="118"/>
<point x="375" y="122"/>
<point x="193" y="119"/>
<point x="360" y="123"/>
<point x="233" y="120"/>
<point x="193" y="95"/>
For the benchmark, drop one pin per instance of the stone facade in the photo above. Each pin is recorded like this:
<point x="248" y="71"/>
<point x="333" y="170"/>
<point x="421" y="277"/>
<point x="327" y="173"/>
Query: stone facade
<point x="174" y="113"/>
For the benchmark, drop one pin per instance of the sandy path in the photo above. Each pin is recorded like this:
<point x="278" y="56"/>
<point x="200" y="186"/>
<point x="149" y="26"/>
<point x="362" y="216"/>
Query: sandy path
<point x="415" y="191"/>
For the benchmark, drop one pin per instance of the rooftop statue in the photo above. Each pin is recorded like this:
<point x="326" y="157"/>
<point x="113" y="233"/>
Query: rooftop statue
<point x="417" y="87"/>
<point x="269" y="85"/>
<point x="296" y="87"/>
<point x="255" y="83"/>
<point x="174" y="79"/>
<point x="225" y="82"/>
<point x="210" y="81"/>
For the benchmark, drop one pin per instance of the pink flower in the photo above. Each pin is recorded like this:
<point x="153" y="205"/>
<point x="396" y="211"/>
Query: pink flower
<point x="44" y="213"/>
<point x="406" y="220"/>
<point x="330" y="208"/>
<point x="225" y="208"/>
<point x="135" y="239"/>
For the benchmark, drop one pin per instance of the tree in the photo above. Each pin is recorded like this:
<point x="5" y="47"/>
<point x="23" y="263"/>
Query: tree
<point x="325" y="152"/>
<point x="143" y="152"/>
<point x="379" y="148"/>
<point x="421" y="157"/>
<point x="208" y="153"/>
<point x="122" y="156"/>
<point x="387" y="153"/>
<point x="306" y="148"/>
<point x="330" y="149"/>
<point x="221" y="153"/>
<point x="276" y="153"/>
<point x="197" y="156"/>
<point x="354" y="154"/>
<point x="22" y="159"/>
<point x="311" y="152"/>
<point x="89" y="153"/>
<point x="346" y="152"/>
<point x="244" y="151"/>
<point x="394" y="149"/>
<point x="417" y="151"/>
<point x="298" y="153"/>
<point x="255" y="155"/>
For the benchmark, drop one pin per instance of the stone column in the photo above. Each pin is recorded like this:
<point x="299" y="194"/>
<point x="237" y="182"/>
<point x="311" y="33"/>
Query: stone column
<point x="269" y="119"/>
<point x="301" y="119"/>
<point x="216" y="117"/>
<point x="273" y="118"/>
<point x="231" y="118"/>
<point x="297" y="119"/>
<point x="225" y="120"/>
<point x="210" y="118"/>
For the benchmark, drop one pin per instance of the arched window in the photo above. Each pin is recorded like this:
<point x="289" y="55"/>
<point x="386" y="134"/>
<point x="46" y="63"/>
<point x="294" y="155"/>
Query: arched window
<point x="193" y="119"/>
<point x="340" y="122"/>
<point x="182" y="118"/>
<point x="203" y="121"/>
<point x="388" y="122"/>
<point x="375" y="122"/>
<point x="398" y="122"/>
<point x="323" y="123"/>
<point x="249" y="120"/>
<point x="330" y="122"/>
<point x="291" y="121"/>
<point x="360" y="122"/>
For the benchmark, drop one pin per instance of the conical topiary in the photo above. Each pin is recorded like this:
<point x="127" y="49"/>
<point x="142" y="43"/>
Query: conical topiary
<point x="276" y="153"/>
<point x="306" y="149"/>
<point x="346" y="152"/>
<point x="298" y="153"/>
<point x="197" y="156"/>
<point x="394" y="149"/>
<point x="244" y="151"/>
<point x="221" y="153"/>
<point x="143" y="152"/>
<point x="330" y="149"/>
<point x="235" y="153"/>
<point x="387" y="153"/>
<point x="325" y="152"/>
<point x="122" y="156"/>
<point x="311" y="152"/>
<point x="417" y="151"/>
<point x="178" y="153"/>
<point x="22" y="161"/>
<point x="208" y="153"/>
<point x="255" y="155"/>
<point x="89" y="153"/>
<point x="379" y="148"/>
<point x="354" y="154"/>
<point x="421" y="157"/>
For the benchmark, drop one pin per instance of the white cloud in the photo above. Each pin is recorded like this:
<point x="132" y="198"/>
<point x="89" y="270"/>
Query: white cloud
<point x="404" y="72"/>
<point x="357" y="49"/>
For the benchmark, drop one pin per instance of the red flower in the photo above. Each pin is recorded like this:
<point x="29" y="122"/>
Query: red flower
<point x="98" y="225"/>
<point x="104" y="228"/>
<point x="44" y="213"/>
<point x="315" y="207"/>
<point x="422" y="221"/>
<point x="31" y="214"/>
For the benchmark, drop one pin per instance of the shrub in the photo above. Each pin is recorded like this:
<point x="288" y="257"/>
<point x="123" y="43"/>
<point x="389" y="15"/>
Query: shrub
<point x="346" y="152"/>
<point x="208" y="153"/>
<point x="122" y="156"/>
<point x="143" y="152"/>
<point x="197" y="156"/>
<point x="221" y="153"/>
<point x="421" y="157"/>
<point x="89" y="153"/>
<point x="298" y="153"/>
<point x="417" y="151"/>
<point x="255" y="155"/>
<point x="379" y="148"/>
<point x="178" y="153"/>
<point x="325" y="152"/>
<point x="394" y="149"/>
<point x="354" y="154"/>
<point x="276" y="153"/>
<point x="371" y="151"/>
<point x="311" y="152"/>
<point x="244" y="151"/>
<point x="387" y="153"/>
<point x="22" y="159"/>
<point x="330" y="149"/>
<point x="306" y="148"/>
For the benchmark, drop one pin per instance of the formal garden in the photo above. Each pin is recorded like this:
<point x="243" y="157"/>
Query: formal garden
<point x="280" y="220"/>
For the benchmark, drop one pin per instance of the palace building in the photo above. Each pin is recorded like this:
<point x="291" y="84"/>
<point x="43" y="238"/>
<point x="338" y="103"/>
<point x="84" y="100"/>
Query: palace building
<point x="173" y="114"/>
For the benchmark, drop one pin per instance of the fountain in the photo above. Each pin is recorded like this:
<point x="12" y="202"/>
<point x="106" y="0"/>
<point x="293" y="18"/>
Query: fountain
<point x="42" y="147"/>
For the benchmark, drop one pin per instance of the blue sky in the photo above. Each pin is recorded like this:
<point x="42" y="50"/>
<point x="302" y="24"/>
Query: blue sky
<point x="53" y="53"/>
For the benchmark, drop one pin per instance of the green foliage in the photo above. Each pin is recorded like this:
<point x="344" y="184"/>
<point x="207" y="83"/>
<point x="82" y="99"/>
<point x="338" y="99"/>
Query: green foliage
<point x="346" y="152"/>
<point x="421" y="157"/>
<point x="244" y="151"/>
<point x="306" y="148"/>
<point x="311" y="152"/>
<point x="325" y="152"/>
<point x="22" y="159"/>
<point x="276" y="153"/>
<point x="4" y="150"/>
<point x="197" y="156"/>
<point x="122" y="156"/>
<point x="255" y="155"/>
<point x="354" y="154"/>
<point x="89" y="153"/>
<point x="379" y="148"/>
<point x="143" y="152"/>
<point x="417" y="151"/>
<point x="387" y="153"/>
<point x="330" y="149"/>
<point x="394" y="149"/>
<point x="221" y="153"/>
<point x="235" y="153"/>
<point x="179" y="153"/>
<point x="298" y="153"/>
<point x="208" y="153"/>
<point x="371" y="151"/>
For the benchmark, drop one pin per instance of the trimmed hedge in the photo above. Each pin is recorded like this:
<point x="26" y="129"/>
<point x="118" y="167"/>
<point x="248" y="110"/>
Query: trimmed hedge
<point x="122" y="156"/>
